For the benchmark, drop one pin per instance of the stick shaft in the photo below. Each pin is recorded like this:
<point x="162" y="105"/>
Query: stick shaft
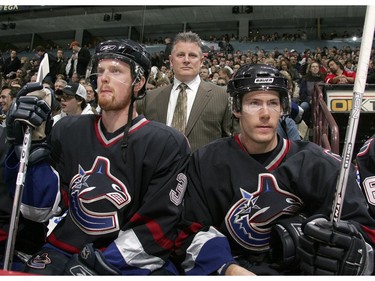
<point x="351" y="131"/>
<point x="13" y="227"/>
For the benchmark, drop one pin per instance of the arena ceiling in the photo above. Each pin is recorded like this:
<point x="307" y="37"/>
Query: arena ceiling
<point x="60" y="23"/>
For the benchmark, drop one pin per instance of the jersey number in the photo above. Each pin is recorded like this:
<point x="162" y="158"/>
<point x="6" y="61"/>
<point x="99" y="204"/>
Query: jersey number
<point x="177" y="195"/>
<point x="369" y="186"/>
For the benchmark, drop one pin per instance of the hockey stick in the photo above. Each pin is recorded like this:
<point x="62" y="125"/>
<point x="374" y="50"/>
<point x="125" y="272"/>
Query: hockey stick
<point x="24" y="158"/>
<point x="359" y="88"/>
<point x="13" y="227"/>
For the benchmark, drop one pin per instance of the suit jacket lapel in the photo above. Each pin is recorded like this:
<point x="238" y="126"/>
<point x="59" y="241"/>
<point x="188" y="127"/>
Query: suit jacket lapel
<point x="163" y="103"/>
<point x="203" y="96"/>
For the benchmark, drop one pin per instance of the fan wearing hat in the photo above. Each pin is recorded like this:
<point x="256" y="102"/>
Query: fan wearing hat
<point x="73" y="101"/>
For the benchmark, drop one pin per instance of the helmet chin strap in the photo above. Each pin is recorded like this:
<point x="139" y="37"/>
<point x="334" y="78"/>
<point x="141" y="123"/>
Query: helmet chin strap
<point x="283" y="125"/>
<point x="128" y="125"/>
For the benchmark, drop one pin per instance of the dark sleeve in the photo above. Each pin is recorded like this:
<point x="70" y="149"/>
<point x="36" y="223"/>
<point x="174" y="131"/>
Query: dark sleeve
<point x="316" y="185"/>
<point x="303" y="91"/>
<point x="85" y="57"/>
<point x="200" y="248"/>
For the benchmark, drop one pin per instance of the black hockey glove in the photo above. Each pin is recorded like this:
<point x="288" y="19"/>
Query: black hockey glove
<point x="89" y="261"/>
<point x="285" y="241"/>
<point x="333" y="248"/>
<point x="31" y="109"/>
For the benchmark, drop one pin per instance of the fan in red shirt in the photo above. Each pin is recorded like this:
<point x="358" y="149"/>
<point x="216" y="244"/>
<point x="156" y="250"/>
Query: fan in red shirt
<point x="338" y="75"/>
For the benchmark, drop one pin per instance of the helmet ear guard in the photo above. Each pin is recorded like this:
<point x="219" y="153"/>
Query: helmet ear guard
<point x="258" y="77"/>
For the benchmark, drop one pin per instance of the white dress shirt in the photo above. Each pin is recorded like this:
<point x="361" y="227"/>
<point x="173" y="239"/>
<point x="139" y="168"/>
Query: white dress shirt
<point x="191" y="91"/>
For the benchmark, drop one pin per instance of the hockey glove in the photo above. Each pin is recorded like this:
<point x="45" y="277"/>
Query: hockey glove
<point x="285" y="241"/>
<point x="333" y="248"/>
<point x="34" y="110"/>
<point x="89" y="261"/>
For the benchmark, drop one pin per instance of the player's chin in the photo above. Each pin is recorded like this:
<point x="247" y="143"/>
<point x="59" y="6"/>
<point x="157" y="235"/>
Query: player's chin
<point x="266" y="131"/>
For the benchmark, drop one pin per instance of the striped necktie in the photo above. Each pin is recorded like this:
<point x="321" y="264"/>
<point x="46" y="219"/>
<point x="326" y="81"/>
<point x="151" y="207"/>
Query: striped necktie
<point x="180" y="112"/>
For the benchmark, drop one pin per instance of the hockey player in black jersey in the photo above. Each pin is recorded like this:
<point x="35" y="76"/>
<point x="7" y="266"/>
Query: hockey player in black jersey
<point x="260" y="204"/>
<point x="366" y="168"/>
<point x="117" y="180"/>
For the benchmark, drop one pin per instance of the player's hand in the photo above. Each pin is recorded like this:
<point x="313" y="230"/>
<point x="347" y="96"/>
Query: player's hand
<point x="89" y="261"/>
<point x="31" y="109"/>
<point x="236" y="270"/>
<point x="333" y="248"/>
<point x="285" y="242"/>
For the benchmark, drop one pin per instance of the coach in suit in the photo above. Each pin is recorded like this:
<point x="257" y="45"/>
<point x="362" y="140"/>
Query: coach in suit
<point x="208" y="112"/>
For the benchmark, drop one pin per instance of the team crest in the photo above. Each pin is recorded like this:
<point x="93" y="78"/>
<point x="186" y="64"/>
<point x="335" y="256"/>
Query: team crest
<point x="96" y="197"/>
<point x="39" y="261"/>
<point x="250" y="219"/>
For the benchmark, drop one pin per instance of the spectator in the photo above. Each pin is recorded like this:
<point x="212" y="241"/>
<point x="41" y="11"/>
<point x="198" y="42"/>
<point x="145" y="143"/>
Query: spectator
<point x="214" y="77"/>
<point x="313" y="75"/>
<point x="235" y="68"/>
<point x="12" y="63"/>
<point x="92" y="97"/>
<point x="170" y="75"/>
<point x="371" y="72"/>
<point x="26" y="65"/>
<point x="221" y="82"/>
<point x="338" y="75"/>
<point x="7" y="95"/>
<point x="5" y="102"/>
<point x="204" y="73"/>
<point x="73" y="101"/>
<point x="78" y="61"/>
<point x="207" y="116"/>
<point x="59" y="84"/>
<point x="225" y="73"/>
<point x="294" y="68"/>
<point x="156" y="74"/>
<point x="292" y="86"/>
<point x="75" y="78"/>
<point x="61" y="62"/>
<point x="164" y="81"/>
<point x="21" y="76"/>
<point x="349" y="65"/>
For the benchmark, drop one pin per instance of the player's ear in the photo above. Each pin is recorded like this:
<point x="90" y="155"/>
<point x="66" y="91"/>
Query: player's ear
<point x="139" y="84"/>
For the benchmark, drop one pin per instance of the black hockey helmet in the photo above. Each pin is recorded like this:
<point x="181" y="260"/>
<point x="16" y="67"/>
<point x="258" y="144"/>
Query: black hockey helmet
<point x="255" y="77"/>
<point x="125" y="50"/>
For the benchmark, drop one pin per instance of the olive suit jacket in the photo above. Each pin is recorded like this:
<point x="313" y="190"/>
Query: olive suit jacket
<point x="209" y="119"/>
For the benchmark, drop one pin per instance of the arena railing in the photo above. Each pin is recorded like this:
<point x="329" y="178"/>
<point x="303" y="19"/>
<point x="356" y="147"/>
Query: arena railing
<point x="325" y="128"/>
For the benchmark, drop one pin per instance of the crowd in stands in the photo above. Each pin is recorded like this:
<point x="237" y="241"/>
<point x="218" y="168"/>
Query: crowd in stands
<point x="218" y="66"/>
